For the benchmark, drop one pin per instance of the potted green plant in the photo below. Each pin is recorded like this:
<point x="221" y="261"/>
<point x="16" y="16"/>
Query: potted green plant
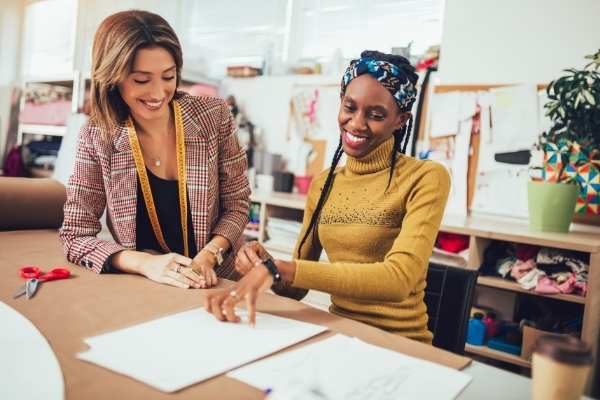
<point x="571" y="178"/>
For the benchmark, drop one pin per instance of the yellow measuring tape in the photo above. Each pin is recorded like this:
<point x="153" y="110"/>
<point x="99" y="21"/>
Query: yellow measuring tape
<point x="181" y="180"/>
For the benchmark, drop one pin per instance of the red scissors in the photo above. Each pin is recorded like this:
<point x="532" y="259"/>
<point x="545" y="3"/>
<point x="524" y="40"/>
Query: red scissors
<point x="35" y="276"/>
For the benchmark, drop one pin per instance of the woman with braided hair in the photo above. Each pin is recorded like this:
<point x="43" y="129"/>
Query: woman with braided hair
<point x="377" y="216"/>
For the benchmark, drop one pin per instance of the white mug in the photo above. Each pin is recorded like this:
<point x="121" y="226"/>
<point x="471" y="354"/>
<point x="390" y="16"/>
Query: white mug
<point x="264" y="183"/>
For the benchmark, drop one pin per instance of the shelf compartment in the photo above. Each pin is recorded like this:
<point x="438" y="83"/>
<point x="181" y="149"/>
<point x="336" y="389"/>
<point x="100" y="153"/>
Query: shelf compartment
<point x="485" y="351"/>
<point x="251" y="233"/>
<point x="49" y="130"/>
<point x="504" y="284"/>
<point x="279" y="247"/>
<point x="280" y="199"/>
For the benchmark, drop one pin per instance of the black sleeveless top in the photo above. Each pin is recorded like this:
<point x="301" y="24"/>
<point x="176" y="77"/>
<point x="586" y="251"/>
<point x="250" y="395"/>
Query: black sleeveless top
<point x="166" y="200"/>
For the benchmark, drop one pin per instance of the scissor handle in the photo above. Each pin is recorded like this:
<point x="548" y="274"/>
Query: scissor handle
<point x="56" y="273"/>
<point x="29" y="272"/>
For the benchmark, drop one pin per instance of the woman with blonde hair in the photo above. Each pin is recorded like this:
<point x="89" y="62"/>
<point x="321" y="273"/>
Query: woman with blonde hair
<point x="167" y="166"/>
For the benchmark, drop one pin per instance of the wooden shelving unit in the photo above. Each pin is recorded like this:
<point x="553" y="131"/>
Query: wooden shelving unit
<point x="504" y="284"/>
<point x="65" y="81"/>
<point x="49" y="130"/>
<point x="286" y="200"/>
<point x="485" y="351"/>
<point x="481" y="231"/>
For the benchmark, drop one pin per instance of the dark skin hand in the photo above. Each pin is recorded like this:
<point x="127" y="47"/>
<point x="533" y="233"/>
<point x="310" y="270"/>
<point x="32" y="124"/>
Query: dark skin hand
<point x="257" y="278"/>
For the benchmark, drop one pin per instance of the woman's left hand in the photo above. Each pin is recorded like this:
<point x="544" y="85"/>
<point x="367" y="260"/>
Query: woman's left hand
<point x="221" y="303"/>
<point x="203" y="264"/>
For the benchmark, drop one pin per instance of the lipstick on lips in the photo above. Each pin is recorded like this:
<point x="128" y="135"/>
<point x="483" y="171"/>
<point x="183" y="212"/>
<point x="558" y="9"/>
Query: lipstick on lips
<point x="152" y="105"/>
<point x="354" y="141"/>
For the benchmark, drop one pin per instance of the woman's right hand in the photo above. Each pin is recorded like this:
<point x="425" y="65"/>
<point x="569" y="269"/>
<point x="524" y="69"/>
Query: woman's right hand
<point x="171" y="269"/>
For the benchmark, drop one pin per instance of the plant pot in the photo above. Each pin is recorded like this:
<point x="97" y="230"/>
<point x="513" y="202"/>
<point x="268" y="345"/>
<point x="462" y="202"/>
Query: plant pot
<point x="551" y="206"/>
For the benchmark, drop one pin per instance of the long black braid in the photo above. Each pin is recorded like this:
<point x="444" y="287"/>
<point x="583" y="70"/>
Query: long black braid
<point x="401" y="139"/>
<point x="314" y="219"/>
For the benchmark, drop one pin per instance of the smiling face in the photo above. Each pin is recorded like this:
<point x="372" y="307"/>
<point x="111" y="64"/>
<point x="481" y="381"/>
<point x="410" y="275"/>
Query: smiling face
<point x="150" y="85"/>
<point x="368" y="116"/>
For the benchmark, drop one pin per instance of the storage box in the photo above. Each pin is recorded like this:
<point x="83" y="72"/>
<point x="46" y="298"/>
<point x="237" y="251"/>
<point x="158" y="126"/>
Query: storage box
<point x="530" y="336"/>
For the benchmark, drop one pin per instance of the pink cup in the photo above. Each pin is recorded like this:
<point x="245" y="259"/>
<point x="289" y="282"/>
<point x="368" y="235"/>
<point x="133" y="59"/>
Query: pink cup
<point x="303" y="183"/>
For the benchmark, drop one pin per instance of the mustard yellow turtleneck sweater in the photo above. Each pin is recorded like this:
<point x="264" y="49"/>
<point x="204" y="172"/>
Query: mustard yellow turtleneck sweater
<point x="378" y="241"/>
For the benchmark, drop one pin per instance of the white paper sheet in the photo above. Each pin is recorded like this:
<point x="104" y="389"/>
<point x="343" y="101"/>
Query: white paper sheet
<point x="445" y="114"/>
<point x="340" y="367"/>
<point x="458" y="165"/>
<point x="514" y="117"/>
<point x="501" y="189"/>
<point x="28" y="367"/>
<point x="502" y="192"/>
<point x="179" y="350"/>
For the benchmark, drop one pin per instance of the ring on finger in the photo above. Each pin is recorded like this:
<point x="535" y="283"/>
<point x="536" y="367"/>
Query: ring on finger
<point x="178" y="268"/>
<point x="234" y="294"/>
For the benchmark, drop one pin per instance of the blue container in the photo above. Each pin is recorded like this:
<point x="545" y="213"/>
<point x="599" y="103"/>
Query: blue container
<point x="476" y="330"/>
<point x="501" y="345"/>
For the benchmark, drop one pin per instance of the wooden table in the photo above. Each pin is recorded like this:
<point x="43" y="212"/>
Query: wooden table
<point x="68" y="311"/>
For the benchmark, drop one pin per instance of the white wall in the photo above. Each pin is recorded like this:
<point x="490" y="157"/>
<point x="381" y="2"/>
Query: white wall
<point x="93" y="12"/>
<point x="266" y="99"/>
<point x="515" y="41"/>
<point x="11" y="15"/>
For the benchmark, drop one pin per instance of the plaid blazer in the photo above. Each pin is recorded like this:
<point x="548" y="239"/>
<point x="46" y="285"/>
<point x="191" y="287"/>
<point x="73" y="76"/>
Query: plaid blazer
<point x="104" y="176"/>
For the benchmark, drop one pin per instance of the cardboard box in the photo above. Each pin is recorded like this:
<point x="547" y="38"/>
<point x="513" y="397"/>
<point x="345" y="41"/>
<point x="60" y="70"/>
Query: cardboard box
<point x="530" y="336"/>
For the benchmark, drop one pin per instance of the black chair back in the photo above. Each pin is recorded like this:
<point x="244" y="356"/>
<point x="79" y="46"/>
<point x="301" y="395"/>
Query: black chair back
<point x="449" y="296"/>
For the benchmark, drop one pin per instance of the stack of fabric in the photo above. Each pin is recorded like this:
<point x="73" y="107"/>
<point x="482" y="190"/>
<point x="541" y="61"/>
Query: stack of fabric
<point x="544" y="270"/>
<point x="451" y="249"/>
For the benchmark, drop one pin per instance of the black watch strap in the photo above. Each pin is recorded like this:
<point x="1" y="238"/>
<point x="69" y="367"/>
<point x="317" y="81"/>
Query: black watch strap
<point x="273" y="270"/>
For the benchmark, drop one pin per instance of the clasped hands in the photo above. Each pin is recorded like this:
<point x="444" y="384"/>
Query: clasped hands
<point x="183" y="272"/>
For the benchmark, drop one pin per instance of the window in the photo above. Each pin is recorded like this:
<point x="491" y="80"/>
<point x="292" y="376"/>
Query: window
<point x="49" y="38"/>
<point x="217" y="34"/>
<point x="356" y="25"/>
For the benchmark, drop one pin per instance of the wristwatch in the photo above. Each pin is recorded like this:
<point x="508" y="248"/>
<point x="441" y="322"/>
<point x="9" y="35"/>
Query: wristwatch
<point x="216" y="251"/>
<point x="273" y="270"/>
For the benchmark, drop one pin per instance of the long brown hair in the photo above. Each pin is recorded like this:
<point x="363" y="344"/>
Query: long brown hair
<point x="116" y="43"/>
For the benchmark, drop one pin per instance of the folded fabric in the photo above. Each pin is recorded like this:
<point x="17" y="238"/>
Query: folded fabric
<point x="452" y="242"/>
<point x="504" y="266"/>
<point x="568" y="286"/>
<point x="546" y="285"/>
<point x="554" y="260"/>
<point x="496" y="251"/>
<point x="581" y="288"/>
<point x="561" y="277"/>
<point x="521" y="268"/>
<point x="531" y="279"/>
<point x="526" y="252"/>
